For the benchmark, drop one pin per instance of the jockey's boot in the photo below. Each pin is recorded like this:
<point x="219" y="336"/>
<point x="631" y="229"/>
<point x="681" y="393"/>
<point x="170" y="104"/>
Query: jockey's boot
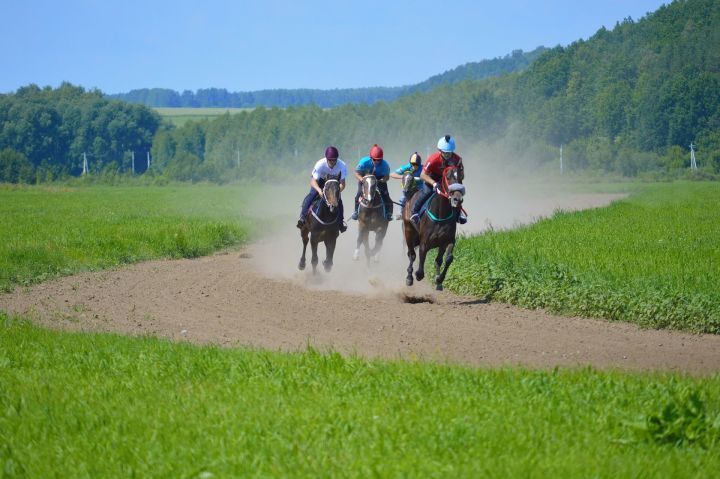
<point x="354" y="215"/>
<point x="343" y="226"/>
<point x="300" y="223"/>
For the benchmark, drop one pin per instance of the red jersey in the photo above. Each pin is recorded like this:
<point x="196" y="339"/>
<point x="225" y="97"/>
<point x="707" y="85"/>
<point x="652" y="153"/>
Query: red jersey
<point x="434" y="165"/>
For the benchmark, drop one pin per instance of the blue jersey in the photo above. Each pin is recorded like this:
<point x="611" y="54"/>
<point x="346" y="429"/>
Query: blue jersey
<point x="409" y="167"/>
<point x="366" y="167"/>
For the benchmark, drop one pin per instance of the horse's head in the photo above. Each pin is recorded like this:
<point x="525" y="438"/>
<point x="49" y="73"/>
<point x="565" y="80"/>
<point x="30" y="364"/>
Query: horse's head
<point x="452" y="185"/>
<point x="369" y="188"/>
<point x="331" y="192"/>
<point x="408" y="181"/>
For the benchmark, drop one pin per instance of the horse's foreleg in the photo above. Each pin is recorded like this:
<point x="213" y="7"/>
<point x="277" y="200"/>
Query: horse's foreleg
<point x="356" y="253"/>
<point x="448" y="261"/>
<point x="379" y="237"/>
<point x="420" y="273"/>
<point x="411" y="257"/>
<point x="329" y="252"/>
<point x="314" y="258"/>
<point x="304" y="235"/>
<point x="439" y="260"/>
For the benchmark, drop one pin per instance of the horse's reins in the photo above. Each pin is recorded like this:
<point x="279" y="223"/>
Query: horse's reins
<point x="446" y="187"/>
<point x="327" y="203"/>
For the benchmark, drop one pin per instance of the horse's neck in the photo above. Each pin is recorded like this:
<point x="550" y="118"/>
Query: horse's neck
<point x="440" y="206"/>
<point x="324" y="212"/>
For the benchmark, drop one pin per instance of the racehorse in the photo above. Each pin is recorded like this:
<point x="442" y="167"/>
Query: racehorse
<point x="371" y="217"/>
<point x="436" y="228"/>
<point x="322" y="223"/>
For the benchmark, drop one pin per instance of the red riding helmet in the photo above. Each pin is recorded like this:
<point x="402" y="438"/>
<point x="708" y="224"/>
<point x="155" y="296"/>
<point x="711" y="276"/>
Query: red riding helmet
<point x="376" y="152"/>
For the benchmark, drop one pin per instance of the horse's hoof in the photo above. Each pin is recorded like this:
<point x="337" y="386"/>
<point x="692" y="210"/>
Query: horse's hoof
<point x="356" y="255"/>
<point x="409" y="281"/>
<point x="301" y="265"/>
<point x="439" y="287"/>
<point x="376" y="258"/>
<point x="419" y="276"/>
<point x="327" y="266"/>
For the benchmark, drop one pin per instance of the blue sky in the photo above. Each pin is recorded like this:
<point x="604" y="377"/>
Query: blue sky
<point x="117" y="46"/>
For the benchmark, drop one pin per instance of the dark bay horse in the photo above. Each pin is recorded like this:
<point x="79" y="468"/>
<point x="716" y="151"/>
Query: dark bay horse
<point x="371" y="217"/>
<point x="322" y="223"/>
<point x="436" y="229"/>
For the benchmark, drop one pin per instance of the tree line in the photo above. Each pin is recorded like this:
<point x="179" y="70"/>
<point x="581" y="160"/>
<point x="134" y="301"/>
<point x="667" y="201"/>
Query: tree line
<point x="220" y="97"/>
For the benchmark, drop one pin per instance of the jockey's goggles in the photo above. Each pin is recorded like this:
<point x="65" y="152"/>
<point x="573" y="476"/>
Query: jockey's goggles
<point x="446" y="155"/>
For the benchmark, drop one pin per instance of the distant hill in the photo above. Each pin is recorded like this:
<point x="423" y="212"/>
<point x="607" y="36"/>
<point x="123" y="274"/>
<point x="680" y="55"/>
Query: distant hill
<point x="220" y="97"/>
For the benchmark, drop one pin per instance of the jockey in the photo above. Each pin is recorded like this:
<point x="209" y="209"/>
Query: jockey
<point x="374" y="165"/>
<point x="415" y="167"/>
<point x="330" y="165"/>
<point x="432" y="175"/>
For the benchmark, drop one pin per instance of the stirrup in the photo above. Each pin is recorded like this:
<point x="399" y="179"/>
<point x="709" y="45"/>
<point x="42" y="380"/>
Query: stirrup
<point x="415" y="218"/>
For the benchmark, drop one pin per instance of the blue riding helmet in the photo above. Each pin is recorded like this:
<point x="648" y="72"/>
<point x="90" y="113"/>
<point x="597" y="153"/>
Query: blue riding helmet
<point x="446" y="144"/>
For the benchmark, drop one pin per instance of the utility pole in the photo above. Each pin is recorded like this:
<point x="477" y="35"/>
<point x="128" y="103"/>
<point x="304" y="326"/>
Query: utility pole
<point x="133" y="162"/>
<point x="693" y="162"/>
<point x="561" y="160"/>
<point x="85" y="165"/>
<point x="148" y="161"/>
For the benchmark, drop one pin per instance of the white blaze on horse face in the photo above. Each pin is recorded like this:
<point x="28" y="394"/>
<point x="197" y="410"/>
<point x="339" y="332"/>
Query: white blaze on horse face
<point x="368" y="188"/>
<point x="456" y="199"/>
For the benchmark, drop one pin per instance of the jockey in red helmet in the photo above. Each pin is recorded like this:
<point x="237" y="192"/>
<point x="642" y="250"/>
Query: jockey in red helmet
<point x="376" y="165"/>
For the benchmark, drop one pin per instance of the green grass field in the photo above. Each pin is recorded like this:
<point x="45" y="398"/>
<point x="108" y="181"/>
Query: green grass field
<point x="652" y="259"/>
<point x="90" y="405"/>
<point x="46" y="233"/>
<point x="102" y="405"/>
<point x="180" y="116"/>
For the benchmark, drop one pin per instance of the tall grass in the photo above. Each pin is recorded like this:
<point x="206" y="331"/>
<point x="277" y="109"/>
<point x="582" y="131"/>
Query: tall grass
<point x="49" y="232"/>
<point x="90" y="405"/>
<point x="652" y="259"/>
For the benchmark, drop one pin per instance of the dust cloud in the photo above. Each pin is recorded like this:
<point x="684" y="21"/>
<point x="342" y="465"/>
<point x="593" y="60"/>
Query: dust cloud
<point x="495" y="198"/>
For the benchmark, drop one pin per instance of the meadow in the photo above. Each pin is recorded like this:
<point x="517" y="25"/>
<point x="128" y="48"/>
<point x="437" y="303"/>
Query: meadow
<point x="652" y="259"/>
<point x="179" y="116"/>
<point x="57" y="231"/>
<point x="90" y="405"/>
<point x="103" y="405"/>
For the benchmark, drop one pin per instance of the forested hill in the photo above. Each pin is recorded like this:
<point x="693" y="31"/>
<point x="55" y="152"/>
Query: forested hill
<point x="627" y="100"/>
<point x="220" y="97"/>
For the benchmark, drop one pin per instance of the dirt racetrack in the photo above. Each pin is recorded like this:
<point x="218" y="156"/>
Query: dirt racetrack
<point x="257" y="297"/>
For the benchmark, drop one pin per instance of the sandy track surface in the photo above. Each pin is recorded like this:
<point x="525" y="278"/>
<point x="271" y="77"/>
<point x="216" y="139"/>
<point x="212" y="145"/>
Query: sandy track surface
<point x="256" y="297"/>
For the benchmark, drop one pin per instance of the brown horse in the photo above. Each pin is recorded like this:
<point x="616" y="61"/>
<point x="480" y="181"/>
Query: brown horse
<point x="436" y="229"/>
<point x="322" y="223"/>
<point x="371" y="217"/>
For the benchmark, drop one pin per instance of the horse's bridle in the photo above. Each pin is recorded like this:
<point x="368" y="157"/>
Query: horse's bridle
<point x="324" y="196"/>
<point x="368" y="178"/>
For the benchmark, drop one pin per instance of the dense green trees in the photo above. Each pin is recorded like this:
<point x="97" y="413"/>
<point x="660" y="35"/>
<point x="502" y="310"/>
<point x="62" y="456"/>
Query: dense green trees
<point x="52" y="129"/>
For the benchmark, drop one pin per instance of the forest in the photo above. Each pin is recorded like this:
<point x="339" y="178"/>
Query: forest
<point x="627" y="101"/>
